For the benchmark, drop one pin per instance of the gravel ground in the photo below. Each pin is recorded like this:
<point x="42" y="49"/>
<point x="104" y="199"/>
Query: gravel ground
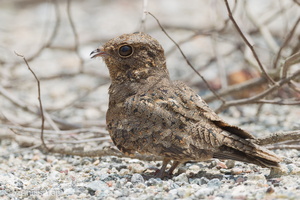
<point x="31" y="174"/>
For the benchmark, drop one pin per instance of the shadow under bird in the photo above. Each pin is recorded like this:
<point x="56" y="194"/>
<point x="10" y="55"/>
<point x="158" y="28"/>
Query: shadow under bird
<point x="151" y="114"/>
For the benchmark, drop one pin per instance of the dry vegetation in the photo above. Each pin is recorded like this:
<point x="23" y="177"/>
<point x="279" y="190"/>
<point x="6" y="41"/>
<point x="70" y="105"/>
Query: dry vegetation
<point x="53" y="96"/>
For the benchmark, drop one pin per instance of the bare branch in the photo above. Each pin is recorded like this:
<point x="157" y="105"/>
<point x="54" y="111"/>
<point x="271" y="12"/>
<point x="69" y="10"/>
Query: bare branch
<point x="287" y="40"/>
<point x="144" y="15"/>
<point x="31" y="109"/>
<point x="260" y="95"/>
<point x="52" y="36"/>
<point x="279" y="137"/>
<point x="248" y="44"/>
<point x="236" y="88"/>
<point x="97" y="131"/>
<point x="39" y="99"/>
<point x="76" y="40"/>
<point x="188" y="62"/>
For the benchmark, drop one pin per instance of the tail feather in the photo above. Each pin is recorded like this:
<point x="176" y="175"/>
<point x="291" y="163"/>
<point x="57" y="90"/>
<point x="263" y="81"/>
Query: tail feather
<point x="233" y="154"/>
<point x="240" y="149"/>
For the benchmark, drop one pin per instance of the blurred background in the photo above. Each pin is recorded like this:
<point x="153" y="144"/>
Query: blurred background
<point x="56" y="38"/>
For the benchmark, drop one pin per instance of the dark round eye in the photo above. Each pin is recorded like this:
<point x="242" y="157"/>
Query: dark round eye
<point x="125" y="51"/>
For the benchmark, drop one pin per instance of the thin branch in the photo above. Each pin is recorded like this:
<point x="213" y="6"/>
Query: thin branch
<point x="76" y="40"/>
<point x="297" y="2"/>
<point x="265" y="32"/>
<point x="61" y="132"/>
<point x="279" y="137"/>
<point x="248" y="43"/>
<point x="144" y="15"/>
<point x="289" y="62"/>
<point x="188" y="62"/>
<point x="287" y="40"/>
<point x="294" y="87"/>
<point x="278" y="102"/>
<point x="228" y="19"/>
<point x="52" y="36"/>
<point x="31" y="109"/>
<point x="258" y="96"/>
<point x="236" y="88"/>
<point x="39" y="98"/>
<point x="107" y="138"/>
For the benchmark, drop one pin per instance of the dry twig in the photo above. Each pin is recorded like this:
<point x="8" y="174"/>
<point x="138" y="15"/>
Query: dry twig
<point x="248" y="43"/>
<point x="187" y="61"/>
<point x="39" y="98"/>
<point x="287" y="40"/>
<point x="256" y="98"/>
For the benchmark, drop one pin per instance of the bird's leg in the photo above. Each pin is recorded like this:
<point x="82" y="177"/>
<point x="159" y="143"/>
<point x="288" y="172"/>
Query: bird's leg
<point x="161" y="172"/>
<point x="174" y="165"/>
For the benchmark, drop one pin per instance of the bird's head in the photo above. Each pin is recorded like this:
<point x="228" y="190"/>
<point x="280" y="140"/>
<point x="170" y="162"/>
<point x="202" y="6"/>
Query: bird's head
<point x="132" y="57"/>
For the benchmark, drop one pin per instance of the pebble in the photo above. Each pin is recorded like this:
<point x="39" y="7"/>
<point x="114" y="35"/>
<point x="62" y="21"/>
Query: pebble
<point x="293" y="169"/>
<point x="181" y="178"/>
<point x="71" y="177"/>
<point x="31" y="174"/>
<point x="204" y="192"/>
<point x="97" y="186"/>
<point x="137" y="178"/>
<point x="153" y="181"/>
<point x="214" y="183"/>
<point x="200" y="181"/>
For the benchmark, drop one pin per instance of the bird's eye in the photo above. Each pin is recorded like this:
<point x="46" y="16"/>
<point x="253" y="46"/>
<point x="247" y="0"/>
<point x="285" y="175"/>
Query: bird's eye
<point x="125" y="51"/>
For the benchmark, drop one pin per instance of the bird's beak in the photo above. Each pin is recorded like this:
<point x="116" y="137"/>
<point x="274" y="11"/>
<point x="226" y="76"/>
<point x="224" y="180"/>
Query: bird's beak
<point x="98" y="52"/>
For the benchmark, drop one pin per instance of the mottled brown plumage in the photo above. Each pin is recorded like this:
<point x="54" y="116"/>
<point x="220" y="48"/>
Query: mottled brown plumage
<point x="150" y="114"/>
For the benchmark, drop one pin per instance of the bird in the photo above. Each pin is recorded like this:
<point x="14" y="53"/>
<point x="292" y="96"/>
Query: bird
<point x="150" y="114"/>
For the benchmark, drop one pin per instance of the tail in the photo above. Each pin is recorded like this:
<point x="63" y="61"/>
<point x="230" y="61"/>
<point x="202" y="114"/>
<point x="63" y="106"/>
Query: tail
<point x="244" y="150"/>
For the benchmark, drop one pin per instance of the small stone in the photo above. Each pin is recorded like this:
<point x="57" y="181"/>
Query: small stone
<point x="240" y="179"/>
<point x="277" y="172"/>
<point x="270" y="190"/>
<point x="128" y="185"/>
<point x="19" y="184"/>
<point x="293" y="169"/>
<point x="225" y="171"/>
<point x="47" y="167"/>
<point x="184" y="192"/>
<point x="118" y="193"/>
<point x="214" y="183"/>
<point x="181" y="170"/>
<point x="119" y="167"/>
<point x="140" y="185"/>
<point x="230" y="164"/>
<point x="174" y="185"/>
<point x="97" y="186"/>
<point x="236" y="171"/>
<point x="86" y="161"/>
<point x="3" y="193"/>
<point x="69" y="191"/>
<point x="256" y="179"/>
<point x="76" y="163"/>
<point x="221" y="165"/>
<point x="136" y="168"/>
<point x="124" y="172"/>
<point x="173" y="192"/>
<point x="153" y="181"/>
<point x="212" y="164"/>
<point x="181" y="178"/>
<point x="96" y="162"/>
<point x="137" y="178"/>
<point x="194" y="168"/>
<point x="201" y="181"/>
<point x="203" y="193"/>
